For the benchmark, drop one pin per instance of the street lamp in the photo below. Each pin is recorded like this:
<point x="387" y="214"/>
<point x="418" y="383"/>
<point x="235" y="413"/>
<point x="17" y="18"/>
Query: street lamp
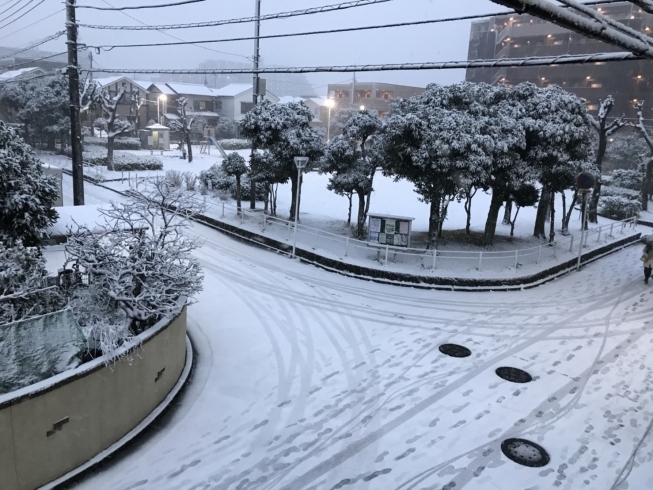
<point x="362" y="108"/>
<point x="329" y="103"/>
<point x="162" y="98"/>
<point x="301" y="163"/>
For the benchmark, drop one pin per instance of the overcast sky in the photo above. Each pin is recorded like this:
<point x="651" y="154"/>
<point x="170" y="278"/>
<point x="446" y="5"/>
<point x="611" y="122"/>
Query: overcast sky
<point x="440" y="42"/>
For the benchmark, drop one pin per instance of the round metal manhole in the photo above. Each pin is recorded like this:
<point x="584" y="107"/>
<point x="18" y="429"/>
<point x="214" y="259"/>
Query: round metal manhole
<point x="514" y="375"/>
<point x="525" y="452"/>
<point x="455" y="350"/>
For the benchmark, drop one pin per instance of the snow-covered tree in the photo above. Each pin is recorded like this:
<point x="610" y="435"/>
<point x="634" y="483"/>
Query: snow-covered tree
<point x="263" y="169"/>
<point x="284" y="130"/>
<point x="22" y="290"/>
<point x="140" y="264"/>
<point x="625" y="151"/>
<point x="628" y="179"/>
<point x="235" y="165"/>
<point x="558" y="143"/>
<point x="184" y="125"/>
<point x="523" y="196"/>
<point x="647" y="162"/>
<point x="135" y="104"/>
<point x="224" y="128"/>
<point x="26" y="194"/>
<point x="115" y="126"/>
<point x="604" y="129"/>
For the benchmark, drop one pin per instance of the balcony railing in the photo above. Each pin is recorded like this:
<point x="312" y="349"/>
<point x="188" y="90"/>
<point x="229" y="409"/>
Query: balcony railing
<point x="503" y="34"/>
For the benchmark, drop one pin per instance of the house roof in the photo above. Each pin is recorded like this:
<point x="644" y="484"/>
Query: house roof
<point x="163" y="88"/>
<point x="190" y="89"/>
<point x="8" y="75"/>
<point x="287" y="99"/>
<point x="202" y="114"/>
<point x="232" y="89"/>
<point x="103" y="82"/>
<point x="157" y="126"/>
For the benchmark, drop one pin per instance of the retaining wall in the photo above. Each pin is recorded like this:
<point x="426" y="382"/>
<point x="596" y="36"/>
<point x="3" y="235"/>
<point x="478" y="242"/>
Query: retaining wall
<point x="52" y="427"/>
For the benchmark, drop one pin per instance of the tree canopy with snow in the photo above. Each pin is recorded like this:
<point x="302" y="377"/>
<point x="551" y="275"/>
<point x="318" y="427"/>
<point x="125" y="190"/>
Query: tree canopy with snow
<point x="184" y="125"/>
<point x="235" y="165"/>
<point x="115" y="126"/>
<point x="26" y="193"/>
<point x="284" y="131"/>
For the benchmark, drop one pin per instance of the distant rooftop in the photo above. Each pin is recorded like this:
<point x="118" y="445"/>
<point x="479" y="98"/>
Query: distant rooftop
<point x="190" y="89"/>
<point x="232" y="89"/>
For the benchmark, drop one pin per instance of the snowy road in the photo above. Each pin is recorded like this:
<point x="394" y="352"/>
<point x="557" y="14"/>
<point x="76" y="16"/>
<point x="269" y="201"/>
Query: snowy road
<point x="310" y="380"/>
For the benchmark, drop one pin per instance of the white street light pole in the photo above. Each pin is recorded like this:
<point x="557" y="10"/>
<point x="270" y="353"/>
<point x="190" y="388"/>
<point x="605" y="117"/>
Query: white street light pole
<point x="163" y="98"/>
<point x="582" y="227"/>
<point x="300" y="162"/>
<point x="329" y="103"/>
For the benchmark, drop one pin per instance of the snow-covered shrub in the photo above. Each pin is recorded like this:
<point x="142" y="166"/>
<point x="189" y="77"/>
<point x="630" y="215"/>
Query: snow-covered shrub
<point x="220" y="182"/>
<point x="130" y="162"/>
<point x="118" y="144"/>
<point x="628" y="179"/>
<point x="22" y="276"/>
<point x="611" y="190"/>
<point x="190" y="179"/>
<point x="175" y="178"/>
<point x="141" y="263"/>
<point x="26" y="194"/>
<point x="235" y="144"/>
<point x="618" y="207"/>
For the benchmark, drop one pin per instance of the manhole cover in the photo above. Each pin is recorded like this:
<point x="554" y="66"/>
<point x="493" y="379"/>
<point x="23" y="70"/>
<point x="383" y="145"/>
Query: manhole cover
<point x="455" y="350"/>
<point x="514" y="375"/>
<point x="525" y="452"/>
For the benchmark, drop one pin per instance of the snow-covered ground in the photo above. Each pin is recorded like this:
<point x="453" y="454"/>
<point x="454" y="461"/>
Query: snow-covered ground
<point x="309" y="380"/>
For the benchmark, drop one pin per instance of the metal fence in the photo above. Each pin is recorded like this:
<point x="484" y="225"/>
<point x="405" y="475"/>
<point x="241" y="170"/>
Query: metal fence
<point x="351" y="249"/>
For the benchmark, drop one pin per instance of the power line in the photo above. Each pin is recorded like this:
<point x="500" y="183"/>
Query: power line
<point x="33" y="23"/>
<point x="10" y="7"/>
<point x="21" y="16"/>
<point x="29" y="62"/>
<point x="280" y="15"/>
<point x="437" y="65"/>
<point x="15" y="12"/>
<point x="54" y="36"/>
<point x="294" y="34"/>
<point x="140" y="7"/>
<point x="27" y="79"/>
<point x="178" y="38"/>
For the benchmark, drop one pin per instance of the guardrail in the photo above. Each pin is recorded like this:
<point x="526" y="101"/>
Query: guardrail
<point x="331" y="244"/>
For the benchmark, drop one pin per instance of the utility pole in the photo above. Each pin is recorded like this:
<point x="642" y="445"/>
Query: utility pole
<point x="353" y="91"/>
<point x="90" y="57"/>
<point x="257" y="33"/>
<point x="73" y="91"/>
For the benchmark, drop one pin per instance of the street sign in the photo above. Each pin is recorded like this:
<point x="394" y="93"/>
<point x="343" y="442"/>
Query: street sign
<point x="585" y="181"/>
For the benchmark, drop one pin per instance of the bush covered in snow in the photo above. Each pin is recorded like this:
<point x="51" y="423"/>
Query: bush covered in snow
<point x="118" y="144"/>
<point x="26" y="194"/>
<point x="611" y="190"/>
<point x="628" y="179"/>
<point x="217" y="180"/>
<point x="130" y="162"/>
<point x="22" y="292"/>
<point x="235" y="144"/>
<point x="618" y="206"/>
<point x="140" y="264"/>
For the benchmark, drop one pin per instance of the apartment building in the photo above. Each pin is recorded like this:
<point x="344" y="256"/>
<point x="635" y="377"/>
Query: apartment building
<point x="520" y="36"/>
<point x="369" y="95"/>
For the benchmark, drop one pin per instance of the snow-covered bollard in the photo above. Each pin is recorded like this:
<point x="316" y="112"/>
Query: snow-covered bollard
<point x="516" y="258"/>
<point x="386" y="255"/>
<point x="598" y="238"/>
<point x="435" y="255"/>
<point x="223" y="210"/>
<point x="480" y="260"/>
<point x="263" y="214"/>
<point x="316" y="236"/>
<point x="539" y="253"/>
<point x="571" y="245"/>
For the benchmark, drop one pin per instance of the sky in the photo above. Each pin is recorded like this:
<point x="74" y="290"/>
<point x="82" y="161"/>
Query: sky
<point x="439" y="42"/>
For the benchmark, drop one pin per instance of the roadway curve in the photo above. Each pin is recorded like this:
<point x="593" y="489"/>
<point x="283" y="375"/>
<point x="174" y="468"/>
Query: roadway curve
<point x="310" y="380"/>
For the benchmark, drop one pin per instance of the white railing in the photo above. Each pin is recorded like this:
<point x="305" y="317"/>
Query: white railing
<point x="350" y="249"/>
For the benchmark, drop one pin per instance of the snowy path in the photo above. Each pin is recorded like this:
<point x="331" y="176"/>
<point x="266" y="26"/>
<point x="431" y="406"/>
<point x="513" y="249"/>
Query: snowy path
<point x="310" y="380"/>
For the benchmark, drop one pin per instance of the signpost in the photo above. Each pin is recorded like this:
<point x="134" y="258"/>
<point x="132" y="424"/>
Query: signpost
<point x="585" y="183"/>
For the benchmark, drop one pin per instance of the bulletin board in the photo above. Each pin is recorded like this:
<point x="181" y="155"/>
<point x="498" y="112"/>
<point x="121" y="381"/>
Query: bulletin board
<point x="384" y="229"/>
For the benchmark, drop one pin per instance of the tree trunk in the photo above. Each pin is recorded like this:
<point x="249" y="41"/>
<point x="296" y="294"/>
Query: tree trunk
<point x="361" y="215"/>
<point x="552" y="232"/>
<point x="434" y="223"/>
<point x="468" y="210"/>
<point x="238" y="192"/>
<point x="567" y="217"/>
<point x="266" y="206"/>
<point x="564" y="212"/>
<point x="513" y="221"/>
<point x="369" y="194"/>
<point x="350" y="196"/>
<point x="646" y="184"/>
<point x="51" y="142"/>
<point x="594" y="201"/>
<point x="542" y="211"/>
<point x="583" y="204"/>
<point x="295" y="188"/>
<point x="492" y="217"/>
<point x="443" y="215"/>
<point x="190" y="148"/>
<point x="275" y="192"/>
<point x="110" y="152"/>
<point x="507" y="212"/>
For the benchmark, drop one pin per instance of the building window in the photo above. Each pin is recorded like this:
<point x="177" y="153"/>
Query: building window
<point x="203" y="105"/>
<point x="596" y="85"/>
<point x="592" y="107"/>
<point x="245" y="107"/>
<point x="218" y="105"/>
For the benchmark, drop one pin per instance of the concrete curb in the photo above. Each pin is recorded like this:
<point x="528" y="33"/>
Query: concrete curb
<point x="167" y="401"/>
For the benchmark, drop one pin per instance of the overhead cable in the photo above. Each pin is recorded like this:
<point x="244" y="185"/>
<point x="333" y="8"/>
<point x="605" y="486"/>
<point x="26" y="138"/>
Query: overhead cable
<point x="20" y="16"/>
<point x="109" y="47"/>
<point x="54" y="36"/>
<point x="178" y="38"/>
<point x="33" y="23"/>
<point x="29" y="62"/>
<point x="436" y="65"/>
<point x="280" y="15"/>
<point x="139" y="7"/>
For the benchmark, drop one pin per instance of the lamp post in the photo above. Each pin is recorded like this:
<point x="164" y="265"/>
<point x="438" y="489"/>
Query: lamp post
<point x="362" y="108"/>
<point x="329" y="103"/>
<point x="585" y="183"/>
<point x="301" y="163"/>
<point x="162" y="98"/>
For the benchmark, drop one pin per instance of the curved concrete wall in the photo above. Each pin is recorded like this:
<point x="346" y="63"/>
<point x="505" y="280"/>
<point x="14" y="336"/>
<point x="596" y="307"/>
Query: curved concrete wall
<point x="49" y="428"/>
